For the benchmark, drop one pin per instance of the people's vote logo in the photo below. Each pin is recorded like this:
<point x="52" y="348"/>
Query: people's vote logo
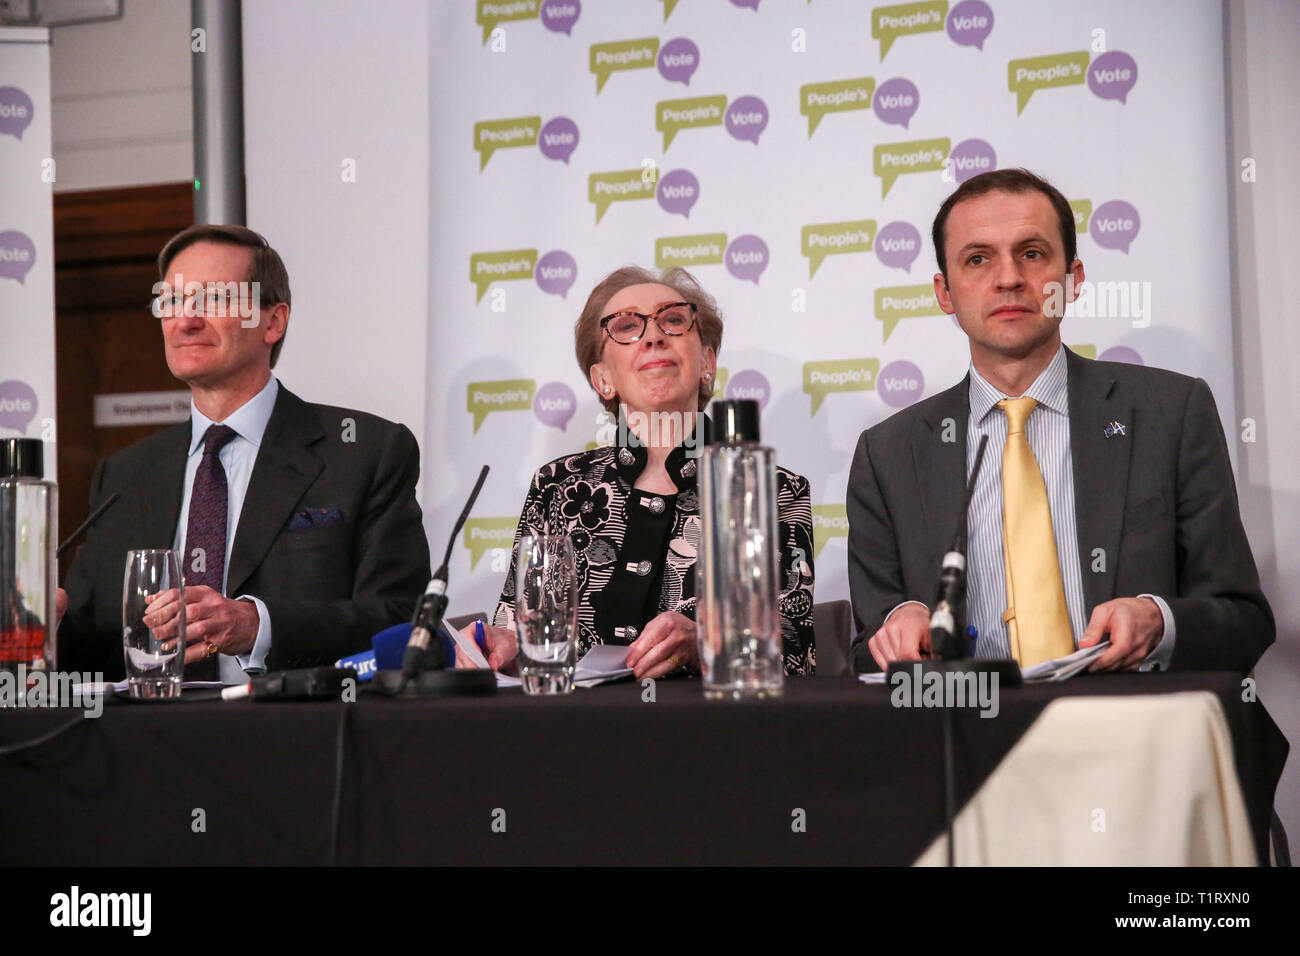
<point x="971" y="157"/>
<point x="744" y="119"/>
<point x="556" y="272"/>
<point x="898" y="244"/>
<point x="702" y="249"/>
<point x="970" y="23"/>
<point x="1111" y="76"/>
<point x="891" y="160"/>
<point x="558" y="16"/>
<point x="838" y="375"/>
<point x="829" y="522"/>
<point x="816" y="100"/>
<point x="554" y="405"/>
<point x="486" y="534"/>
<point x="905" y="19"/>
<point x="678" y="60"/>
<point x="619" y="185"/>
<point x="606" y="59"/>
<point x="1114" y="225"/>
<point x="747" y="257"/>
<point x="1082" y="209"/>
<point x="899" y="302"/>
<point x="558" y="139"/>
<point x="749" y="384"/>
<point x="509" y="395"/>
<point x="824" y="239"/>
<point x="896" y="101"/>
<point x="491" y="135"/>
<point x="17" y="405"/>
<point x="899" y="384"/>
<point x="16" y="112"/>
<point x="678" y="192"/>
<point x="488" y="267"/>
<point x="17" y="255"/>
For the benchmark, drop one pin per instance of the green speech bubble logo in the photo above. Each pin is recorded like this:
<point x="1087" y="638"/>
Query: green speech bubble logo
<point x="492" y="12"/>
<point x="638" y="54"/>
<point x="491" y="135"/>
<point x="510" y="395"/>
<point x="488" y="267"/>
<point x="1082" y="213"/>
<point x="622" y="184"/>
<point x="891" y="160"/>
<point x="705" y="249"/>
<point x="720" y="376"/>
<point x="672" y="116"/>
<point x="1042" y="72"/>
<point x="829" y="521"/>
<point x="837" y="96"/>
<point x="483" y="534"/>
<point x="833" y="238"/>
<point x="903" y="19"/>
<point x="1087" y="351"/>
<point x="838" y="375"/>
<point x="898" y="302"/>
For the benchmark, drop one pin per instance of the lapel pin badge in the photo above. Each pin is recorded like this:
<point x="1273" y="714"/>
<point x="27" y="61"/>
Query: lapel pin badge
<point x="1115" y="428"/>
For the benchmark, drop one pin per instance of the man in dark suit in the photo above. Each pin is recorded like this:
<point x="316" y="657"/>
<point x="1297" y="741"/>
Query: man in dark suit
<point x="298" y="527"/>
<point x="1105" y="507"/>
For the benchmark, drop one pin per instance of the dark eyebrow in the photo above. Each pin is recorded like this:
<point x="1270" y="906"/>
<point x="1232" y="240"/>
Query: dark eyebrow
<point x="975" y="246"/>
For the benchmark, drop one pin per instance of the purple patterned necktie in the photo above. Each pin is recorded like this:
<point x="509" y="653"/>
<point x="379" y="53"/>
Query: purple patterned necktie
<point x="204" y="560"/>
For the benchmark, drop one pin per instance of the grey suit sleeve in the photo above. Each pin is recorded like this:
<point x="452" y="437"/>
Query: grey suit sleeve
<point x="1223" y="619"/>
<point x="875" y="569"/>
<point x="391" y="570"/>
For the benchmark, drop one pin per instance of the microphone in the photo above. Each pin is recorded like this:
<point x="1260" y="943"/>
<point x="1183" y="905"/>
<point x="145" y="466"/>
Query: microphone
<point x="422" y="652"/>
<point x="86" y="525"/>
<point x="946" y="632"/>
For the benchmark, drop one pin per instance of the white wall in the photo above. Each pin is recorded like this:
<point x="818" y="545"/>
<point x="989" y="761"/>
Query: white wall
<point x="121" y="98"/>
<point x="314" y="72"/>
<point x="1264" y="77"/>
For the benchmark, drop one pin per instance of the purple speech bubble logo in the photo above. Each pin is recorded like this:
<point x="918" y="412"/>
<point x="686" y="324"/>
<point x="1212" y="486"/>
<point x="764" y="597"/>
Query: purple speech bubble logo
<point x="747" y="257"/>
<point x="17" y="405"/>
<point x="679" y="190"/>
<point x="749" y="383"/>
<point x="971" y="157"/>
<point x="970" y="23"/>
<point x="898" y="244"/>
<point x="16" y="111"/>
<point x="555" y="273"/>
<point x="1121" y="353"/>
<point x="559" y="16"/>
<point x="558" y="138"/>
<point x="747" y="118"/>
<point x="1114" y="225"/>
<point x="899" y="384"/>
<point x="752" y="4"/>
<point x="1112" y="75"/>
<point x="554" y="405"/>
<point x="678" y="60"/>
<point x="17" y="255"/>
<point x="896" y="101"/>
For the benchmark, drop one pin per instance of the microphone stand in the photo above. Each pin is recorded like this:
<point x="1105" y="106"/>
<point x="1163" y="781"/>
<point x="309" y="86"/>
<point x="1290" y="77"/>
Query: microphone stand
<point x="424" y="672"/>
<point x="947" y="643"/>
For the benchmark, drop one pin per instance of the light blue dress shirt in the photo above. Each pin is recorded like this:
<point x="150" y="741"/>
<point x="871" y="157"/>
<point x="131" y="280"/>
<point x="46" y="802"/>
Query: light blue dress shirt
<point x="1048" y="431"/>
<point x="237" y="458"/>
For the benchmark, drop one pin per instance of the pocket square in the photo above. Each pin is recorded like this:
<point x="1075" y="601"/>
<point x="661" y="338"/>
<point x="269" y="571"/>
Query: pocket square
<point x="314" y="518"/>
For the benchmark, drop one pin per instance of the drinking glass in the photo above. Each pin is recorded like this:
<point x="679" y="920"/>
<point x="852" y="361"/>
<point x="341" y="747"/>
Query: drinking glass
<point x="546" y="613"/>
<point x="155" y="657"/>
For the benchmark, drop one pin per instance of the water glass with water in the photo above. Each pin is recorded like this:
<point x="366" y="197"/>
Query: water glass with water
<point x="546" y="613"/>
<point x="155" y="657"/>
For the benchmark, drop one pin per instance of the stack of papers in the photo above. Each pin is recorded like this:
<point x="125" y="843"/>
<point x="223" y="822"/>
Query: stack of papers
<point x="604" y="662"/>
<point x="1063" y="668"/>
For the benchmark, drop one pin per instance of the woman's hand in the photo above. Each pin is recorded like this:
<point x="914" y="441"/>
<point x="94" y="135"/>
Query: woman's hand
<point x="501" y="647"/>
<point x="668" y="642"/>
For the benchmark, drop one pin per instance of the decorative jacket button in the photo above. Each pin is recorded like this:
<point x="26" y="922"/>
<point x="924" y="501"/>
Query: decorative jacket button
<point x="656" y="506"/>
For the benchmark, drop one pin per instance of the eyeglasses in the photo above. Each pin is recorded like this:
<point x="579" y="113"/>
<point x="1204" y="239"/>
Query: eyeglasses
<point x="675" y="318"/>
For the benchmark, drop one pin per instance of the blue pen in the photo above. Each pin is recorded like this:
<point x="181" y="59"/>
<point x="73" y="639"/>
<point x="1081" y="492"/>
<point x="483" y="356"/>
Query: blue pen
<point x="479" y="639"/>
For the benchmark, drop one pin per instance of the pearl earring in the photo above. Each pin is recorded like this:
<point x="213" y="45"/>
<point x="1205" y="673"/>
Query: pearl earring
<point x="608" y="390"/>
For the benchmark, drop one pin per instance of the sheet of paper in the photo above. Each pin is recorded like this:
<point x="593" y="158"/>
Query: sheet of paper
<point x="1063" y="668"/>
<point x="466" y="644"/>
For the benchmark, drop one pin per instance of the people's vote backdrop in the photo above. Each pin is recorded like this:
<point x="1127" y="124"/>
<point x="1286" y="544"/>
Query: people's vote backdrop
<point x="792" y="156"/>
<point x="26" y="240"/>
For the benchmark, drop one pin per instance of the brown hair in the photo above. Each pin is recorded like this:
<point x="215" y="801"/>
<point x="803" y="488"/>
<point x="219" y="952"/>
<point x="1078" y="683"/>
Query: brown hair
<point x="266" y="268"/>
<point x="1007" y="181"/>
<point x="589" y="337"/>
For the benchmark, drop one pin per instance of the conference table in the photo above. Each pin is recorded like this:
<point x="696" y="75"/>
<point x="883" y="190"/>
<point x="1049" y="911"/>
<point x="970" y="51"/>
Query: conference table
<point x="630" y="773"/>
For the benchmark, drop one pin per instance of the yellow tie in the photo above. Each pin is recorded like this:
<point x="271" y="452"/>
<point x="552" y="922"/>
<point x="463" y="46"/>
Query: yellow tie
<point x="1036" y="617"/>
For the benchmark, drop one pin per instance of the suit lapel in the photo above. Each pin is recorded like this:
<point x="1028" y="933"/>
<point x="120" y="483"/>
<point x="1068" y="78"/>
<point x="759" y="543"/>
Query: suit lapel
<point x="162" y="486"/>
<point x="286" y="467"/>
<point x="941" y="464"/>
<point x="1101" y="468"/>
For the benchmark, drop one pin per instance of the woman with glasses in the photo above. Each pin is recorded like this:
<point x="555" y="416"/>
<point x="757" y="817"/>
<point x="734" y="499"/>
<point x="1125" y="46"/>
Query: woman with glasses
<point x="649" y="345"/>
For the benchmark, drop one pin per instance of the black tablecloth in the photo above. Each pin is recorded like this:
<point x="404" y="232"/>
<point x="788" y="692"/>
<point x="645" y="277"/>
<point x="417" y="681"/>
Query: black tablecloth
<point x="599" y="777"/>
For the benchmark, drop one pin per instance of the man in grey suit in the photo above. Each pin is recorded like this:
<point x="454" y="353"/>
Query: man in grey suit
<point x="1145" y="545"/>
<point x="297" y="523"/>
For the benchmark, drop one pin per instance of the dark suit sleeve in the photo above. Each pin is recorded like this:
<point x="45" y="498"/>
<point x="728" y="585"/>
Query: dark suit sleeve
<point x="391" y="561"/>
<point x="81" y="648"/>
<point x="1221" y="617"/>
<point x="875" y="569"/>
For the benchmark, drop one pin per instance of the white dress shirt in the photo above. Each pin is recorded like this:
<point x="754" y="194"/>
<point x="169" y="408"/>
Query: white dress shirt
<point x="237" y="458"/>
